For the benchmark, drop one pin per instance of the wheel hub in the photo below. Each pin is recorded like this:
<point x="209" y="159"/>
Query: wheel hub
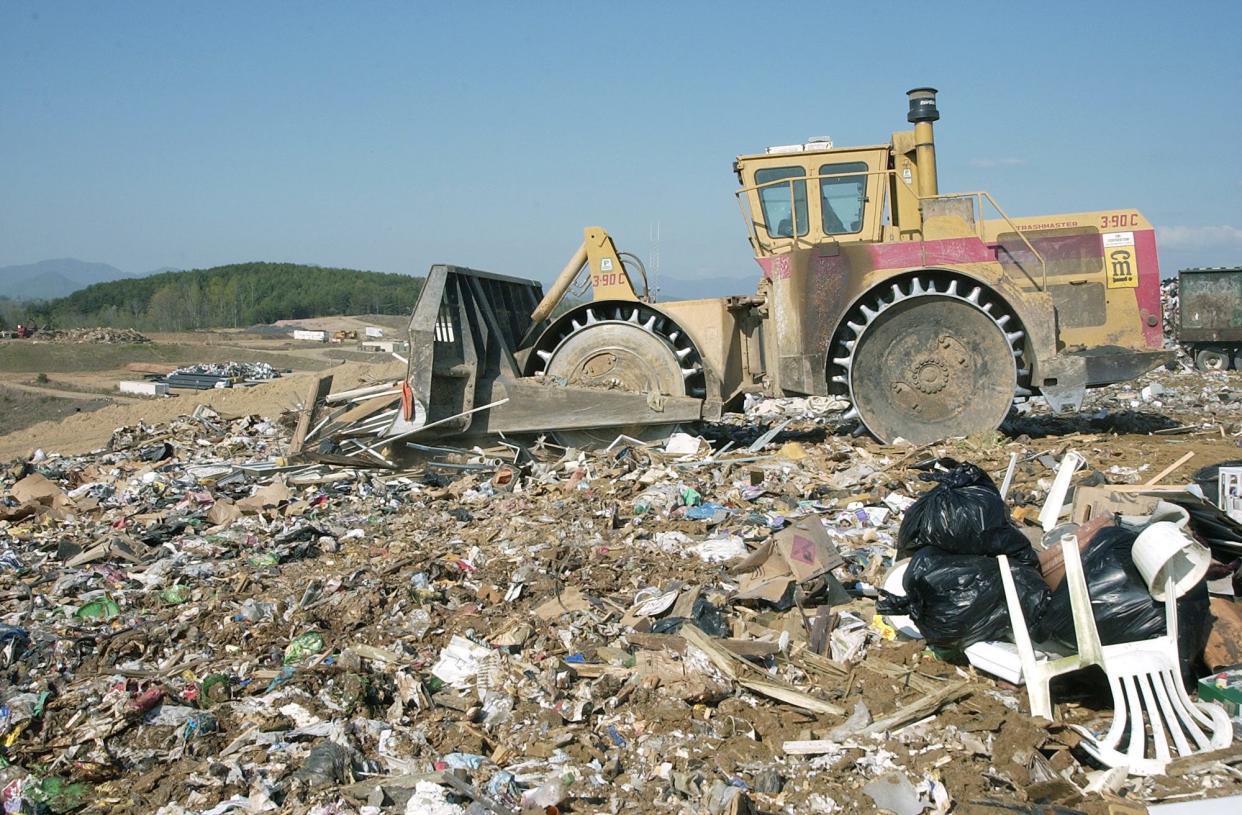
<point x="930" y="375"/>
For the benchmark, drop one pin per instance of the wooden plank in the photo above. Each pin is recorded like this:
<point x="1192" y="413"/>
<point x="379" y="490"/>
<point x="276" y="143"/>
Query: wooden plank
<point x="748" y="649"/>
<point x="318" y="390"/>
<point x="791" y="696"/>
<point x="920" y="708"/>
<point x="365" y="409"/>
<point x="350" y="461"/>
<point x="1160" y="476"/>
<point x="1184" y="765"/>
<point x="1153" y="488"/>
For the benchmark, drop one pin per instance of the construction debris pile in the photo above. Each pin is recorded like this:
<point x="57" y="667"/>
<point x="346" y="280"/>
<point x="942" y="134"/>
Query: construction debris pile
<point x="195" y="620"/>
<point x="101" y="335"/>
<point x="207" y="375"/>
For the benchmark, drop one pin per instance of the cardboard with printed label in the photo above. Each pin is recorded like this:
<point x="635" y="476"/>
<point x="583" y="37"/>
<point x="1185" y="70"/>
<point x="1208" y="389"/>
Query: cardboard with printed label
<point x="796" y="554"/>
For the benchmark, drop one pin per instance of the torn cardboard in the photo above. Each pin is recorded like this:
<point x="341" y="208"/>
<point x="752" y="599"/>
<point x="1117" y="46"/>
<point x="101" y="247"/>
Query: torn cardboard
<point x="796" y="554"/>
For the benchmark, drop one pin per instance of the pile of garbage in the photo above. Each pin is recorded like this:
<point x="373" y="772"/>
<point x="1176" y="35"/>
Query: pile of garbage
<point x="235" y="371"/>
<point x="102" y="335"/>
<point x="202" y="618"/>
<point x="1170" y="303"/>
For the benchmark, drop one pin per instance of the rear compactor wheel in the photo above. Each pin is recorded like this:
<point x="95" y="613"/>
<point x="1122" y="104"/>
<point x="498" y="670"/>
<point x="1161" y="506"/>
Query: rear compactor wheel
<point x="930" y="365"/>
<point x="620" y="354"/>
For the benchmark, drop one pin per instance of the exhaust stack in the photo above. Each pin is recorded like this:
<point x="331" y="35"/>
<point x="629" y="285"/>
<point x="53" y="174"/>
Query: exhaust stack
<point x="922" y="113"/>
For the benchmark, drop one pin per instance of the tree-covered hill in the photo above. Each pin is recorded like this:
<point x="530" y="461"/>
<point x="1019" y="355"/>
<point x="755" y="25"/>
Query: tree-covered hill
<point x="236" y="295"/>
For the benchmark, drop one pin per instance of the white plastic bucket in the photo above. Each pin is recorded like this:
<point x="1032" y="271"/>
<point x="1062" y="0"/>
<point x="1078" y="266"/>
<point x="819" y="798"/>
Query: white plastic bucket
<point x="1163" y="551"/>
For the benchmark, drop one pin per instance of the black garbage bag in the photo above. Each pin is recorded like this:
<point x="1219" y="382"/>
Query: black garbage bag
<point x="1123" y="607"/>
<point x="963" y="514"/>
<point x="958" y="600"/>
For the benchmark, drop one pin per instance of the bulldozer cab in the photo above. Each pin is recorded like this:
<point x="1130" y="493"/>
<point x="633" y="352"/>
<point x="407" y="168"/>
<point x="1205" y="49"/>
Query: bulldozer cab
<point x="805" y="195"/>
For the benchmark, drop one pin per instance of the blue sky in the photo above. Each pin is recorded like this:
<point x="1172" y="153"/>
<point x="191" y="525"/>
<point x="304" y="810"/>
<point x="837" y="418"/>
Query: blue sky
<point x="390" y="136"/>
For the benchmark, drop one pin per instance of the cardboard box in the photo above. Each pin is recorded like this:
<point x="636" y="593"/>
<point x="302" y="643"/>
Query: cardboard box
<point x="794" y="555"/>
<point x="1091" y="501"/>
<point x="1224" y="645"/>
<point x="1224" y="688"/>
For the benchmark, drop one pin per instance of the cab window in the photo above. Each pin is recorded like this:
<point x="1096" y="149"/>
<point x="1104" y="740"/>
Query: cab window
<point x="778" y="218"/>
<point x="841" y="199"/>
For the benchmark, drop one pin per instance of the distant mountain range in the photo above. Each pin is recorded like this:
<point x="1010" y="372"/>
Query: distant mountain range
<point x="49" y="279"/>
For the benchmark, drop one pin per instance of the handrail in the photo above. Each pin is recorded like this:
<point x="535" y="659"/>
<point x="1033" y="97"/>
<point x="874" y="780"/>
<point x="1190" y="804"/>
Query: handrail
<point x="1043" y="266"/>
<point x="979" y="195"/>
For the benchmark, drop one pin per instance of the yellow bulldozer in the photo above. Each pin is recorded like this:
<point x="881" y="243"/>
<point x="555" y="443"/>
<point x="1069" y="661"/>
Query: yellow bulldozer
<point x="927" y="316"/>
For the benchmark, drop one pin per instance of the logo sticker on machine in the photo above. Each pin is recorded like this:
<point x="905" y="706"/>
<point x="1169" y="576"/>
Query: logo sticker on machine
<point x="1120" y="260"/>
<point x="605" y="264"/>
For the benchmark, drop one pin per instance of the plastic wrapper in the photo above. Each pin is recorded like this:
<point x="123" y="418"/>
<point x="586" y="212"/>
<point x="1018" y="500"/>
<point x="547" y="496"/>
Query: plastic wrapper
<point x="958" y="600"/>
<point x="963" y="514"/>
<point x="1123" y="607"/>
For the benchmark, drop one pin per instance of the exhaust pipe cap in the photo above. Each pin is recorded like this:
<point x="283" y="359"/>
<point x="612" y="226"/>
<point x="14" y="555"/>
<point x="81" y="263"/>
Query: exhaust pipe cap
<point x="922" y="105"/>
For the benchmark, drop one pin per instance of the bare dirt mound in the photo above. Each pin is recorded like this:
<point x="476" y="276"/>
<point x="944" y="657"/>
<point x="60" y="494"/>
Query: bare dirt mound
<point x="83" y="432"/>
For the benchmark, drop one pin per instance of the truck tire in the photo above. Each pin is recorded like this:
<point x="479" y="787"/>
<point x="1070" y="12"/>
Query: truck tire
<point x="1211" y="359"/>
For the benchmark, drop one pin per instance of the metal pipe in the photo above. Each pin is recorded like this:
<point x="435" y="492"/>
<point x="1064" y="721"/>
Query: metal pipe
<point x="560" y="285"/>
<point x="925" y="154"/>
<point x="922" y="113"/>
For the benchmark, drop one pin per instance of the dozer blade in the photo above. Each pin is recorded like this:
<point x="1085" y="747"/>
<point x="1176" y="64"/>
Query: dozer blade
<point x="466" y="362"/>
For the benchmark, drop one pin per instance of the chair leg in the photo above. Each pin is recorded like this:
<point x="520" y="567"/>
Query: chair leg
<point x="1039" y="692"/>
<point x="1155" y="715"/>
<point x="1038" y="689"/>
<point x="1113" y="737"/>
<point x="1175" y="716"/>
<point x="1138" y="727"/>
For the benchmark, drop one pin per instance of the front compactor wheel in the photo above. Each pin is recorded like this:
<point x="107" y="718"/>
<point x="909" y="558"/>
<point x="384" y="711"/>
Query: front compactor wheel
<point x="618" y="355"/>
<point x="932" y="367"/>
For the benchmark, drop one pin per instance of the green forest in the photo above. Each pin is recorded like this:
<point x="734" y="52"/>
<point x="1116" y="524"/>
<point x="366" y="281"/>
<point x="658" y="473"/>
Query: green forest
<point x="233" y="296"/>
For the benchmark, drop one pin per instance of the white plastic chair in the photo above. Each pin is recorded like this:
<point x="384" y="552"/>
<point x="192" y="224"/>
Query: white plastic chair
<point x="1144" y="676"/>
<point x="1039" y="673"/>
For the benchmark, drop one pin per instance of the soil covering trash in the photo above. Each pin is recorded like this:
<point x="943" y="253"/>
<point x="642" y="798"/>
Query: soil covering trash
<point x="200" y="618"/>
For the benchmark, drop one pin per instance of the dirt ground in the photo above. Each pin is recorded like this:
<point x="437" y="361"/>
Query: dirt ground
<point x="45" y="383"/>
<point x="18" y="406"/>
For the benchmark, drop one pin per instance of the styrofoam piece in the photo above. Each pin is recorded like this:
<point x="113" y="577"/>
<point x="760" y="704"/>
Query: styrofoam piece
<point x="142" y="388"/>
<point x="1051" y="511"/>
<point x="682" y="444"/>
<point x="1165" y="555"/>
<point x="1001" y="659"/>
<point x="892" y="584"/>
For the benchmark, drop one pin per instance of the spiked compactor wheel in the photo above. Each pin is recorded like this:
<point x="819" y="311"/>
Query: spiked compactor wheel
<point x="931" y="363"/>
<point x="625" y="346"/>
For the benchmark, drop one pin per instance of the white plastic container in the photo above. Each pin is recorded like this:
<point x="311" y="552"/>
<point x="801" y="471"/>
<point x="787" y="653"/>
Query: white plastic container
<point x="1162" y="550"/>
<point x="1051" y="511"/>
